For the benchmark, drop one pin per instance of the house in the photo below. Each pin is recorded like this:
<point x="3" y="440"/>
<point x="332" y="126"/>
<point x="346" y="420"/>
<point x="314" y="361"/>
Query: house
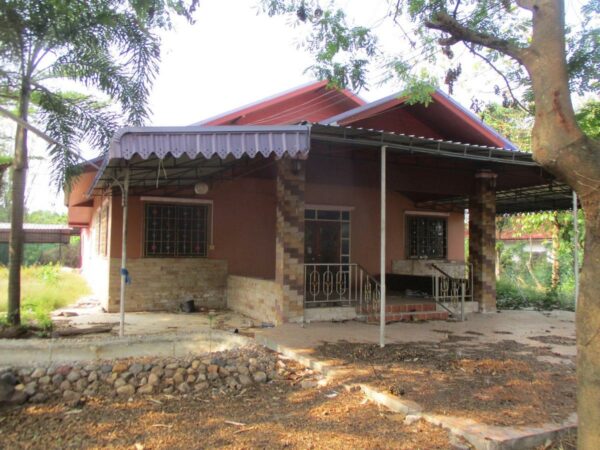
<point x="274" y="209"/>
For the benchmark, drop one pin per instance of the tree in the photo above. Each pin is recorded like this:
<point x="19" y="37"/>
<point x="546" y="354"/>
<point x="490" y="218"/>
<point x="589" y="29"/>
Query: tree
<point x="540" y="62"/>
<point x="104" y="46"/>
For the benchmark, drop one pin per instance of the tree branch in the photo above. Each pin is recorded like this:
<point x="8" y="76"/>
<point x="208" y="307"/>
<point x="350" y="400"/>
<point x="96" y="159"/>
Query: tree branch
<point x="499" y="72"/>
<point x="442" y="21"/>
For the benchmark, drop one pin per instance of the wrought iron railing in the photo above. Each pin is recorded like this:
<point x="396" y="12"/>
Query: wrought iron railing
<point x="341" y="285"/>
<point x="451" y="292"/>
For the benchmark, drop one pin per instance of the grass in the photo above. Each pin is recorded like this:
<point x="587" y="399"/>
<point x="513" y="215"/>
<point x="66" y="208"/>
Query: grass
<point x="43" y="289"/>
<point x="513" y="295"/>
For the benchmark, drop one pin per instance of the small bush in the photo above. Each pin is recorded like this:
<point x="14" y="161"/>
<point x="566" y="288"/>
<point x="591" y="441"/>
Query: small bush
<point x="43" y="289"/>
<point x="511" y="295"/>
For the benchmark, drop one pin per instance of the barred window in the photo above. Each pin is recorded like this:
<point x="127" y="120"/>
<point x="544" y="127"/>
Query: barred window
<point x="427" y="237"/>
<point x="176" y="230"/>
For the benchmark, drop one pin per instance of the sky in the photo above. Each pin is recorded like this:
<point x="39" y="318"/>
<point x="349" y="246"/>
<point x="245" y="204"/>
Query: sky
<point x="229" y="57"/>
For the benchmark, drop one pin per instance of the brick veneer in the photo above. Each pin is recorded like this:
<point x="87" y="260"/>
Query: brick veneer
<point x="289" y="241"/>
<point x="482" y="240"/>
<point x="161" y="284"/>
<point x="255" y="298"/>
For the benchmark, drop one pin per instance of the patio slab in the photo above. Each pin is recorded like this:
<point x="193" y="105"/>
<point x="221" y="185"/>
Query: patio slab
<point x="519" y="326"/>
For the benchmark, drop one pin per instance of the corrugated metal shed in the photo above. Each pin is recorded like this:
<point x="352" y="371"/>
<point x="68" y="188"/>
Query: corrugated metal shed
<point x="35" y="233"/>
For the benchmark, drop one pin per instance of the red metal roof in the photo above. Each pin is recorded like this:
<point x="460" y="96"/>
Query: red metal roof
<point x="312" y="103"/>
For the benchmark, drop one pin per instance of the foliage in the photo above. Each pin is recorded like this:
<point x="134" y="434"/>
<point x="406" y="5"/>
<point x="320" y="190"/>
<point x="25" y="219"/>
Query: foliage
<point x="45" y="288"/>
<point x="498" y="26"/>
<point x="588" y="118"/>
<point x="107" y="47"/>
<point x="513" y="123"/>
<point x="511" y="295"/>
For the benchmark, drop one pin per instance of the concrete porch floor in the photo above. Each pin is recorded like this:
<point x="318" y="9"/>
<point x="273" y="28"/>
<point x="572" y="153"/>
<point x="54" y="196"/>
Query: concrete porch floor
<point x="483" y="328"/>
<point x="89" y="313"/>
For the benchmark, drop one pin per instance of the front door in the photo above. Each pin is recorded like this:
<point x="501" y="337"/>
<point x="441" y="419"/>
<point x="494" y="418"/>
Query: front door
<point x="322" y="242"/>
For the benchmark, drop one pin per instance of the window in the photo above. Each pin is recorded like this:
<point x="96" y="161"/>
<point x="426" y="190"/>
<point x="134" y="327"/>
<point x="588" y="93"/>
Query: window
<point x="427" y="237"/>
<point x="176" y="230"/>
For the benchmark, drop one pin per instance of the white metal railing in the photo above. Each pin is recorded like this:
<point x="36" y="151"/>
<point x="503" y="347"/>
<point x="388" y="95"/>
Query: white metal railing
<point x="328" y="284"/>
<point x="451" y="292"/>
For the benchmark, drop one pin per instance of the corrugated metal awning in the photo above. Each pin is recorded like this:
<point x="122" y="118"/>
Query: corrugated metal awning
<point x="223" y="141"/>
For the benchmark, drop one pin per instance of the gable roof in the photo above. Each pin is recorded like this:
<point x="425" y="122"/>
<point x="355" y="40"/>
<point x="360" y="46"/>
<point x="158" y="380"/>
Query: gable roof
<point x="311" y="102"/>
<point x="443" y="106"/>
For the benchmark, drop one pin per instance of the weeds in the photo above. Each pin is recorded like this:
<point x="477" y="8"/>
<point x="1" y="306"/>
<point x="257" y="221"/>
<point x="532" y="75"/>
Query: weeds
<point x="43" y="289"/>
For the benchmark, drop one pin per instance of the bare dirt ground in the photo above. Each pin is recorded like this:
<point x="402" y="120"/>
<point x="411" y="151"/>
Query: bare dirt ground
<point x="275" y="415"/>
<point x="503" y="383"/>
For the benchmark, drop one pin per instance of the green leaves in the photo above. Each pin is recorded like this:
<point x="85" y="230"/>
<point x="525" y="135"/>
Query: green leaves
<point x="108" y="50"/>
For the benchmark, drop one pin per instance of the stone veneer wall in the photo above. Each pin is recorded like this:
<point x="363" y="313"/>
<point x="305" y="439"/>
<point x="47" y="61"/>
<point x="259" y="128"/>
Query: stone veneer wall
<point x="482" y="240"/>
<point x="289" y="242"/>
<point x="254" y="297"/>
<point x="161" y="284"/>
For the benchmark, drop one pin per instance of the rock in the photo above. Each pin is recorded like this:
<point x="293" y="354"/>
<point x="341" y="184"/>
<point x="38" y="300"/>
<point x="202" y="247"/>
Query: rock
<point x="73" y="376"/>
<point x="136" y="368"/>
<point x="57" y="379"/>
<point x="127" y="390"/>
<point x="223" y="372"/>
<point x="18" y="398"/>
<point x="213" y="368"/>
<point x="410" y="419"/>
<point x="191" y="379"/>
<point x="172" y="366"/>
<point x="81" y="384"/>
<point x="212" y="376"/>
<point x="178" y="378"/>
<point x="201" y="377"/>
<point x="93" y="376"/>
<point x="30" y="388"/>
<point x="45" y="380"/>
<point x="120" y="383"/>
<point x="71" y="396"/>
<point x="201" y="386"/>
<point x="106" y="368"/>
<point x="25" y="372"/>
<point x="65" y="385"/>
<point x="120" y="367"/>
<point x="231" y="382"/>
<point x="195" y="364"/>
<point x="168" y="390"/>
<point x="243" y="370"/>
<point x="40" y="397"/>
<point x="158" y="371"/>
<point x="183" y="388"/>
<point x="308" y="384"/>
<point x="7" y="386"/>
<point x="38" y="373"/>
<point x="90" y="368"/>
<point x="153" y="379"/>
<point x="245" y="380"/>
<point x="259" y="376"/>
<point x="63" y="370"/>
<point x="146" y="389"/>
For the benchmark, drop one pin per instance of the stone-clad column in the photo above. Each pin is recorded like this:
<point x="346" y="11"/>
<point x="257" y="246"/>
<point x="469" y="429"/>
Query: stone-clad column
<point x="289" y="245"/>
<point x="482" y="240"/>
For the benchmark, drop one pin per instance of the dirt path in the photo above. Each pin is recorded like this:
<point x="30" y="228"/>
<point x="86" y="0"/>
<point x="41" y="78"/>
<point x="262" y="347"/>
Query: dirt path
<point x="276" y="415"/>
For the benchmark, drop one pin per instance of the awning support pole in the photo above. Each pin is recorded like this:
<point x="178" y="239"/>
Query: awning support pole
<point x="124" y="274"/>
<point x="382" y="251"/>
<point x="575" y="247"/>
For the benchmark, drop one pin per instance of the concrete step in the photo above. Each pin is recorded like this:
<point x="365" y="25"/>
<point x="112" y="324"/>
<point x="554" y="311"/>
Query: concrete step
<point x="410" y="316"/>
<point x="395" y="308"/>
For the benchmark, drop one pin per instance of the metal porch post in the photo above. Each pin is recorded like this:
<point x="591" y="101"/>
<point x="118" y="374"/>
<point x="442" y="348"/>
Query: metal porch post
<point x="124" y="274"/>
<point x="382" y="241"/>
<point x="575" y="248"/>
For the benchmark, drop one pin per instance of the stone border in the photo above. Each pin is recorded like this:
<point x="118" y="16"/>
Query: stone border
<point x="28" y="352"/>
<point x="481" y="436"/>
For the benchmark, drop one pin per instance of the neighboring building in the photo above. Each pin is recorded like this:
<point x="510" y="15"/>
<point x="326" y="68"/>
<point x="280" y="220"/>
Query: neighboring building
<point x="274" y="208"/>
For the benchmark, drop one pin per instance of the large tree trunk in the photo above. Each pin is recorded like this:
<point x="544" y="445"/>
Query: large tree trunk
<point x="15" y="249"/>
<point x="561" y="148"/>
